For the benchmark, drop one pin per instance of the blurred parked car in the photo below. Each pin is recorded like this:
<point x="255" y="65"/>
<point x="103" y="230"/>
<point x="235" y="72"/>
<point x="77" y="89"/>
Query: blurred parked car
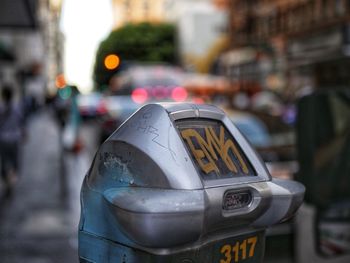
<point x="138" y="85"/>
<point x="276" y="149"/>
<point x="91" y="105"/>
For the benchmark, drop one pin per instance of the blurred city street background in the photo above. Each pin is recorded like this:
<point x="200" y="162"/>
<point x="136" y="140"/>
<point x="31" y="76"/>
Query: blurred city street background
<point x="39" y="224"/>
<point x="78" y="69"/>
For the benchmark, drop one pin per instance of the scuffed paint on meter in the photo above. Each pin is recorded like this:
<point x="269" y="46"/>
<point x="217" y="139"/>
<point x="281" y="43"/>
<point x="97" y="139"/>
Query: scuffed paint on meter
<point x="179" y="183"/>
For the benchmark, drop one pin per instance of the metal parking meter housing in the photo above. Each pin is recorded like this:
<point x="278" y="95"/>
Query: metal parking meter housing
<point x="179" y="183"/>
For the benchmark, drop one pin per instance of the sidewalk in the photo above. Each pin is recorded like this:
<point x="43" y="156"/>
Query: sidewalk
<point x="36" y="224"/>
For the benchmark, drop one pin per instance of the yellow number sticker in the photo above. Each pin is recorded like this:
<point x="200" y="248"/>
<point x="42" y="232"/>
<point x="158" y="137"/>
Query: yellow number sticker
<point x="252" y="241"/>
<point x="226" y="250"/>
<point x="239" y="251"/>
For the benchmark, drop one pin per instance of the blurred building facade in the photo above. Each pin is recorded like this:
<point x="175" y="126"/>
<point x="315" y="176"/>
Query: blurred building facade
<point x="50" y="16"/>
<point x="288" y="45"/>
<point x="35" y="44"/>
<point x="202" y="29"/>
<point x="137" y="11"/>
<point x="202" y="25"/>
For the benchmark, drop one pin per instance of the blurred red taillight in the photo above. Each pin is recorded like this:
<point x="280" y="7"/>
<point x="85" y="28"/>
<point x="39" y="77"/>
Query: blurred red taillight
<point x="102" y="108"/>
<point x="179" y="94"/>
<point x="197" y="100"/>
<point x="139" y="95"/>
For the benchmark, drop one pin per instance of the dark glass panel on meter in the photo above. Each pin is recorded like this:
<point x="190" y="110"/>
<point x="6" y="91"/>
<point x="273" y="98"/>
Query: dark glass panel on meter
<point x="214" y="151"/>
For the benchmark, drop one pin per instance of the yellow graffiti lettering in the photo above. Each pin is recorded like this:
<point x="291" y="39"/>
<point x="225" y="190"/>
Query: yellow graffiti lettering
<point x="221" y="148"/>
<point x="210" y="146"/>
<point x="199" y="154"/>
<point x="230" y="145"/>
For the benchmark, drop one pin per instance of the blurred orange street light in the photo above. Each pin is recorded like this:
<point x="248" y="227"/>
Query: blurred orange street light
<point x="60" y="81"/>
<point x="111" y="61"/>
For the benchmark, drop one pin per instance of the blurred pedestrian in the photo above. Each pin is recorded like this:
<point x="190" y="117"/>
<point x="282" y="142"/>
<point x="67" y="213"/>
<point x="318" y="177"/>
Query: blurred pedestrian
<point x="11" y="133"/>
<point x="34" y="85"/>
<point x="70" y="137"/>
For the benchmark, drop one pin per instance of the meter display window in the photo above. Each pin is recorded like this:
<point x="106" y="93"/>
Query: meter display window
<point x="214" y="151"/>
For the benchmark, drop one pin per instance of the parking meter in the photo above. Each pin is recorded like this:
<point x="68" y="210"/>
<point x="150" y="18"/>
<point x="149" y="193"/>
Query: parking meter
<point x="179" y="183"/>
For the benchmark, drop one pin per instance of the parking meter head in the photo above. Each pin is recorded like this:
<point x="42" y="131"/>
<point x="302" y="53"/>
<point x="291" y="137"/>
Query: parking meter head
<point x="181" y="177"/>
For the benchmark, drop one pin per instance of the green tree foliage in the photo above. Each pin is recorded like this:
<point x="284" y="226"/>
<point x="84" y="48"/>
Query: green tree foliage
<point x="135" y="42"/>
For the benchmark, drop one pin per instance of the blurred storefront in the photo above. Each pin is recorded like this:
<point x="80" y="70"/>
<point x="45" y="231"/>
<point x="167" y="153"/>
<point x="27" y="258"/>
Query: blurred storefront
<point x="320" y="60"/>
<point x="299" y="50"/>
<point x="298" y="44"/>
<point x="247" y="69"/>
